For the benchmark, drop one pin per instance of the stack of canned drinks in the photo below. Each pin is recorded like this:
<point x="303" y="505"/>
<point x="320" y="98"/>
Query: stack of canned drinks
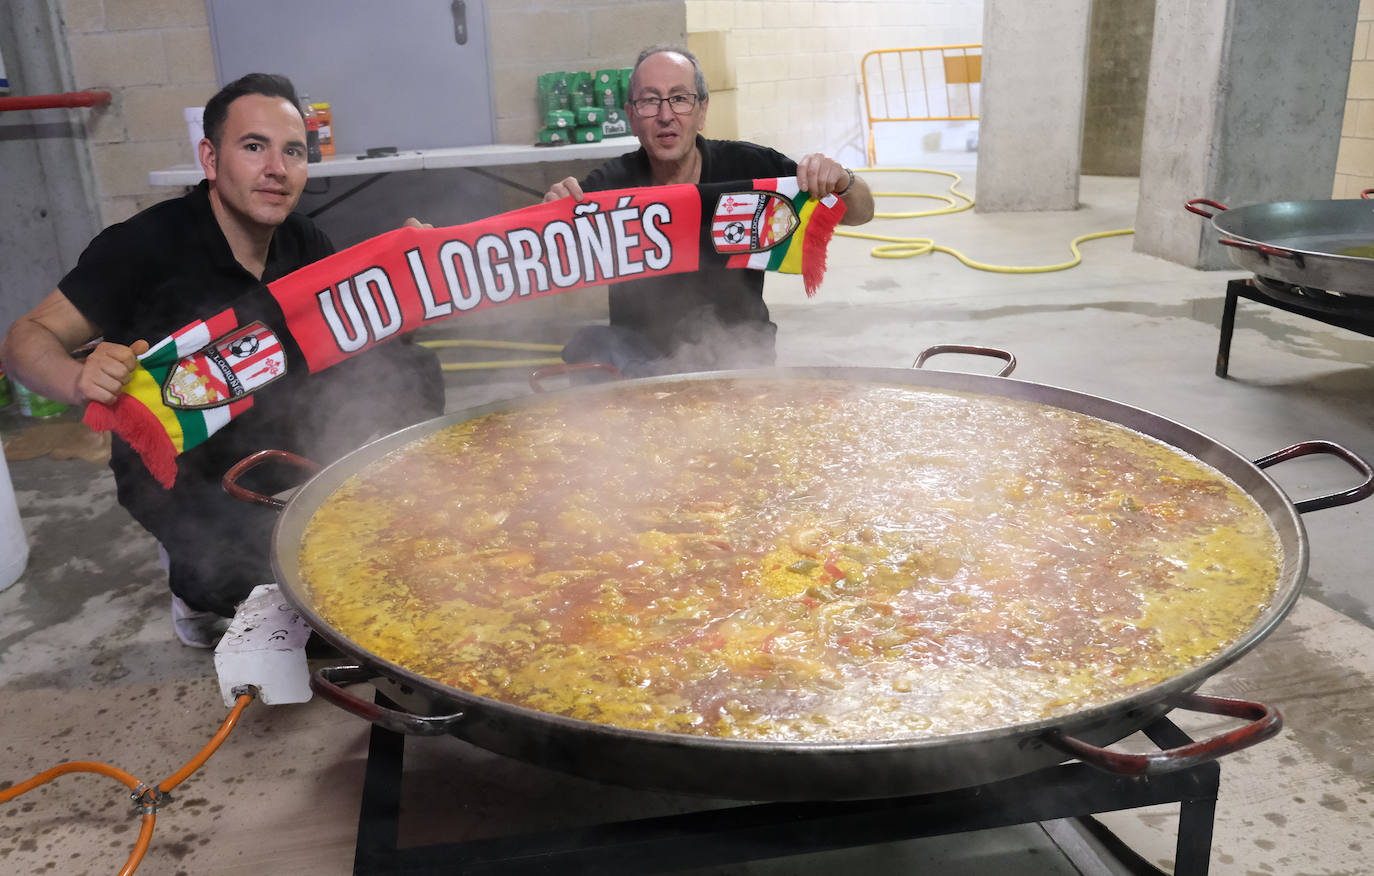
<point x="30" y="404"/>
<point x="583" y="107"/>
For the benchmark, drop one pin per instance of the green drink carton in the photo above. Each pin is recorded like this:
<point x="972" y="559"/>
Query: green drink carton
<point x="33" y="405"/>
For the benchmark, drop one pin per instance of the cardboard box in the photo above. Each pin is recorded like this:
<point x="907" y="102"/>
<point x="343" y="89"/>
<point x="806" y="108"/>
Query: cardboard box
<point x="722" y="116"/>
<point x="715" y="51"/>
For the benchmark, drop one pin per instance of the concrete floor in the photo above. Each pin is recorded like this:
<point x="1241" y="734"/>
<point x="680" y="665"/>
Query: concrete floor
<point x="89" y="668"/>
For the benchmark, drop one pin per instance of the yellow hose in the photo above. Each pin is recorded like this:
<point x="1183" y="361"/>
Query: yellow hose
<point x="498" y="363"/>
<point x="492" y="345"/>
<point x="495" y="345"/>
<point x="956" y="201"/>
<point x="889" y="248"/>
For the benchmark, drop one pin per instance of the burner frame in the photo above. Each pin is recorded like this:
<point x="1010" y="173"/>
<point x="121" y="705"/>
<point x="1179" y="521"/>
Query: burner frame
<point x="760" y="831"/>
<point x="1246" y="288"/>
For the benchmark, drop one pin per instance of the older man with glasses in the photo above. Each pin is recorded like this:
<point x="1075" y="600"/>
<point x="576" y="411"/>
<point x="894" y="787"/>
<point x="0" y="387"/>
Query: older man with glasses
<point x="714" y="318"/>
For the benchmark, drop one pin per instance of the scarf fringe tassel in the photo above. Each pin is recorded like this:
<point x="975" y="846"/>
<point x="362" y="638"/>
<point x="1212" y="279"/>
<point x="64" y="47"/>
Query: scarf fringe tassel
<point x="131" y="420"/>
<point x="818" y="232"/>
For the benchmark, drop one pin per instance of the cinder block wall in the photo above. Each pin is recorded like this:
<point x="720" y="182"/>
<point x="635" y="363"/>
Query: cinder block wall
<point x="797" y="61"/>
<point x="1355" y="161"/>
<point x="529" y="37"/>
<point x="797" y="66"/>
<point x="154" y="57"/>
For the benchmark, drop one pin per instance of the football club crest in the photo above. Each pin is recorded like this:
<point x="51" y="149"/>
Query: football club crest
<point x="747" y="222"/>
<point x="236" y="365"/>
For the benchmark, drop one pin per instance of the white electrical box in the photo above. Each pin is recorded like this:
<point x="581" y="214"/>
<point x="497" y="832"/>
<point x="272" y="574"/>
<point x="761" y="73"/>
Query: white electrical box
<point x="265" y="647"/>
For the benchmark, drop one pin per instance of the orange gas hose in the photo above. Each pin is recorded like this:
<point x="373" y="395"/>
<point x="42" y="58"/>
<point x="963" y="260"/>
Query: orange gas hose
<point x="76" y="766"/>
<point x="145" y="839"/>
<point x="196" y="762"/>
<point x="141" y="792"/>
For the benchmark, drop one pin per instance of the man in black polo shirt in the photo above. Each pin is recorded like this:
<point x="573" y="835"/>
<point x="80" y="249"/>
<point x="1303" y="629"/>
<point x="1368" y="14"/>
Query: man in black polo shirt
<point x="140" y="280"/>
<point x="713" y="318"/>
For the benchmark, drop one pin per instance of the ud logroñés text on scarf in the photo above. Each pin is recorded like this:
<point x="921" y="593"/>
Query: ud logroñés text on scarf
<point x="190" y="385"/>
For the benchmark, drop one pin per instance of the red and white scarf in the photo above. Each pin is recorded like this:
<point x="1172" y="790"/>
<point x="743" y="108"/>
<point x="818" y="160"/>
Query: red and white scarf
<point x="193" y="383"/>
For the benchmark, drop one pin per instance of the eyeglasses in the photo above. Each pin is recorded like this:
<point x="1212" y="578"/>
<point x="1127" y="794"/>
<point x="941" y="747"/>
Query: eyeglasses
<point x="647" y="107"/>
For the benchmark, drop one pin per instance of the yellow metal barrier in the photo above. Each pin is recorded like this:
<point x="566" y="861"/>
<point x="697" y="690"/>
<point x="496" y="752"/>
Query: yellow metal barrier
<point x="921" y="84"/>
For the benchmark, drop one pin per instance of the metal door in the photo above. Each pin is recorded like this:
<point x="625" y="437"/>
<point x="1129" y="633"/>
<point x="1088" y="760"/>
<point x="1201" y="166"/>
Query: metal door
<point x="413" y="74"/>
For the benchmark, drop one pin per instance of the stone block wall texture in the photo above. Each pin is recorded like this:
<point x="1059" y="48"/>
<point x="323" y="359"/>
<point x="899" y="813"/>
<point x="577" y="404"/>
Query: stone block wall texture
<point x="153" y="56"/>
<point x="797" y="61"/>
<point x="797" y="64"/>
<point x="1355" y="160"/>
<point x="529" y="37"/>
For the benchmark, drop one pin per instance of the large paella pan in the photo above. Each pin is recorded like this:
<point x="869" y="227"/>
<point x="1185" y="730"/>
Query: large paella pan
<point x="788" y="584"/>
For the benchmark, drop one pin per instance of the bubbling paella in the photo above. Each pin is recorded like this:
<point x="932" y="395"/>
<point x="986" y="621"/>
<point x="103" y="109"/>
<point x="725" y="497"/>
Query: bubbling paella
<point x="791" y="559"/>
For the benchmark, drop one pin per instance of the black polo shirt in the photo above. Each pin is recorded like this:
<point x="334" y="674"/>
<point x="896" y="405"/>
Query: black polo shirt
<point x="166" y="267"/>
<point x="160" y="271"/>
<point x="171" y="265"/>
<point x="679" y="309"/>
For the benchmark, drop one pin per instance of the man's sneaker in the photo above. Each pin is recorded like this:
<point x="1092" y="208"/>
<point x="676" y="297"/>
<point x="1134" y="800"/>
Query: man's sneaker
<point x="197" y="629"/>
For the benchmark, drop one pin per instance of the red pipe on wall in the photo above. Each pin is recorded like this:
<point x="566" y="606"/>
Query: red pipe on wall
<point x="55" y="101"/>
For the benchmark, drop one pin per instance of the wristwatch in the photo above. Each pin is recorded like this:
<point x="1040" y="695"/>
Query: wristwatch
<point x="848" y="185"/>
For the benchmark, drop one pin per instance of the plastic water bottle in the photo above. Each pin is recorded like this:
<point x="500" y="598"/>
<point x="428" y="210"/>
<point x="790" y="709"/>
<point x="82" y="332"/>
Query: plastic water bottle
<point x="312" y="131"/>
<point x="14" y="546"/>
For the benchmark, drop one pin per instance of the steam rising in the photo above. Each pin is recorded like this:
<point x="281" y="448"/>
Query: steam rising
<point x="791" y="559"/>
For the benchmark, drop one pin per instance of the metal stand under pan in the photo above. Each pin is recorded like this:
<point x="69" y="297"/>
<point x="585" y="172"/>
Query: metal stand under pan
<point x="1352" y="312"/>
<point x="760" y="831"/>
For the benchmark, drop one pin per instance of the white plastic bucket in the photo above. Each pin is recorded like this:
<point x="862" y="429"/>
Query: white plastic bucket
<point x="14" y="547"/>
<point x="195" y="129"/>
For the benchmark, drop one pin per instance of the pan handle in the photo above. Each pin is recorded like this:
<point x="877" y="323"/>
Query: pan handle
<point x="1345" y="497"/>
<point x="1192" y="207"/>
<point x="1266" y="250"/>
<point x="1265" y="721"/>
<point x="327" y="681"/>
<point x="262" y="457"/>
<point x="539" y="374"/>
<point x="973" y="351"/>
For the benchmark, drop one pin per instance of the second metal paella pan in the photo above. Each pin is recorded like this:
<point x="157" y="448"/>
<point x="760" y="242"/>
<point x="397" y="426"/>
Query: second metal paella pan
<point x="1327" y="245"/>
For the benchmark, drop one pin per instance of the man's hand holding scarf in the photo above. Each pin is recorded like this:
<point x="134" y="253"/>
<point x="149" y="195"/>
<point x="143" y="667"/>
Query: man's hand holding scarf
<point x="191" y="384"/>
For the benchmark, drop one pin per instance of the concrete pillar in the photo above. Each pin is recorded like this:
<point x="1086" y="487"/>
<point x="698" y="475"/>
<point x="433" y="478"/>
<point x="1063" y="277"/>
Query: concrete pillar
<point x="47" y="212"/>
<point x="1031" y="121"/>
<point x="1118" y="76"/>
<point x="1244" y="107"/>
